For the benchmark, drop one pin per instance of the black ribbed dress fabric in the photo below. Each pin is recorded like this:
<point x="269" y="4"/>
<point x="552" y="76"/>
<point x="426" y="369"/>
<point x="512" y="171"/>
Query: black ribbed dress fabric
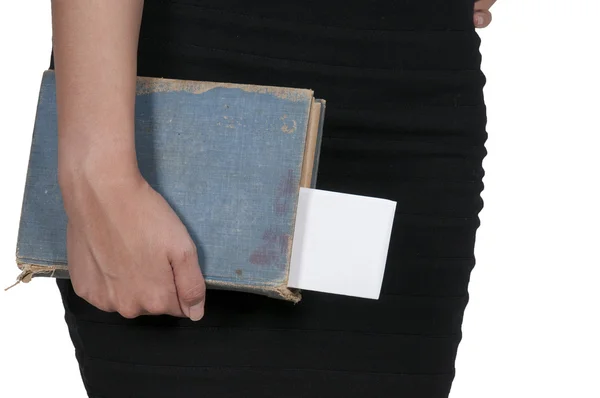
<point x="405" y="121"/>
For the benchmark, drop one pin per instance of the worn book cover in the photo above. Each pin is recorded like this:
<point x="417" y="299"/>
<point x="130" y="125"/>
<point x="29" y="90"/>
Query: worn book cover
<point x="229" y="158"/>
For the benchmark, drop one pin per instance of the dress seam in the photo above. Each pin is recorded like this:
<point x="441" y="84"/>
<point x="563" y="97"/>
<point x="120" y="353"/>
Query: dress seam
<point x="314" y="25"/>
<point x="268" y="368"/>
<point x="241" y="328"/>
<point x="172" y="44"/>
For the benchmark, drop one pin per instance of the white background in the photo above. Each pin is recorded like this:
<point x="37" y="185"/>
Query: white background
<point x="531" y="328"/>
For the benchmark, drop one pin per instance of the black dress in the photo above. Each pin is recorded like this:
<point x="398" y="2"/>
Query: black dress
<point x="405" y="121"/>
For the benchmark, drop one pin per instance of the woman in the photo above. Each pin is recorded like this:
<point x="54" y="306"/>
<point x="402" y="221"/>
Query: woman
<point x="405" y="121"/>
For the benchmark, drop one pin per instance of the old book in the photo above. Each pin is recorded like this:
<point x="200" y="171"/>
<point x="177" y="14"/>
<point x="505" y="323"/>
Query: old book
<point x="229" y="158"/>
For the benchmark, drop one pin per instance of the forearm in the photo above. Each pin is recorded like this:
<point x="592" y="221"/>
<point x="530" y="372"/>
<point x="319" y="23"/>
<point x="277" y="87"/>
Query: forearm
<point x="95" y="51"/>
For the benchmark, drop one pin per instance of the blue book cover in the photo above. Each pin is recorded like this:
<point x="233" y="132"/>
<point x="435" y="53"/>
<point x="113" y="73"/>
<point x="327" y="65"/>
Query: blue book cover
<point x="229" y="158"/>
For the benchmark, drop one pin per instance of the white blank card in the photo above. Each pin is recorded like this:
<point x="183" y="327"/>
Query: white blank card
<point x="340" y="243"/>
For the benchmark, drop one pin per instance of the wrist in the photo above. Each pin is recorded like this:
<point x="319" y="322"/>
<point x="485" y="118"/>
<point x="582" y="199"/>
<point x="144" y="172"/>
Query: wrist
<point x="97" y="166"/>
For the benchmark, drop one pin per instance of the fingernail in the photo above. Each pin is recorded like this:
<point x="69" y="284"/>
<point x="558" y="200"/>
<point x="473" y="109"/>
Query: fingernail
<point x="197" y="311"/>
<point x="479" y="20"/>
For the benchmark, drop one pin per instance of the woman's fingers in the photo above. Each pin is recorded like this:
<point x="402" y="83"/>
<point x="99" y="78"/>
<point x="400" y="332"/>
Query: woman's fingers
<point x="482" y="16"/>
<point x="482" y="19"/>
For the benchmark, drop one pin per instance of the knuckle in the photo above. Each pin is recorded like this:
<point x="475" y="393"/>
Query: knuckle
<point x="81" y="292"/>
<point x="94" y="298"/>
<point x="104" y="306"/>
<point x="80" y="289"/>
<point x="157" y="305"/>
<point x="189" y="252"/>
<point x="129" y="312"/>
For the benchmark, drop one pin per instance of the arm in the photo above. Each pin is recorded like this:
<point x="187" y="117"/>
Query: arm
<point x="127" y="250"/>
<point x="95" y="47"/>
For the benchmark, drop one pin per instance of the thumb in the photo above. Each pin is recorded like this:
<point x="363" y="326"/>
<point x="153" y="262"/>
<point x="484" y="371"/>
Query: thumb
<point x="191" y="289"/>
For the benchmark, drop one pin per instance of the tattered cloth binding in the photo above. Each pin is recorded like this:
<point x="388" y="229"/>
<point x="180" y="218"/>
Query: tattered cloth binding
<point x="229" y="158"/>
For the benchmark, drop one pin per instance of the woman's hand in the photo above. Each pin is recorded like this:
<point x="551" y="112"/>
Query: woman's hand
<point x="127" y="250"/>
<point x="482" y="16"/>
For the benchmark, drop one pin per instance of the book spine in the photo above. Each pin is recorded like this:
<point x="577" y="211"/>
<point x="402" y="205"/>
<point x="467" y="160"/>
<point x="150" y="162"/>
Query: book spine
<point x="319" y="138"/>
